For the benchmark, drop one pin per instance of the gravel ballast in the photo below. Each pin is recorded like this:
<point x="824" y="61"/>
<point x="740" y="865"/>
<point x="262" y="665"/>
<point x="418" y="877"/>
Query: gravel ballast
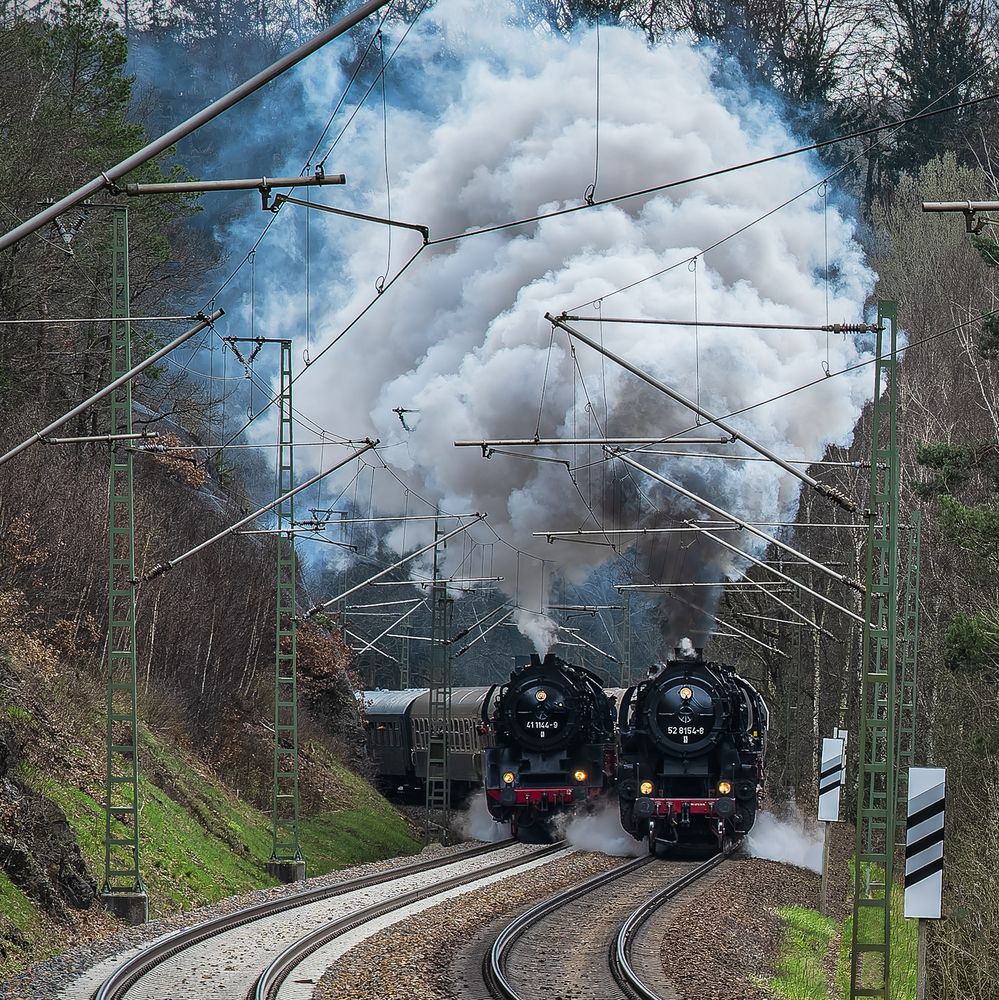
<point x="729" y="933"/>
<point x="414" y="958"/>
<point x="51" y="978"/>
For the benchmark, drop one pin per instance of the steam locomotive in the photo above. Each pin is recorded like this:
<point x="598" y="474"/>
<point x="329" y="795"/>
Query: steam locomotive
<point x="553" y="728"/>
<point x="693" y="741"/>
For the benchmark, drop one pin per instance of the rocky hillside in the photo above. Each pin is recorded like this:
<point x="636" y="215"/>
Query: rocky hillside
<point x="203" y="837"/>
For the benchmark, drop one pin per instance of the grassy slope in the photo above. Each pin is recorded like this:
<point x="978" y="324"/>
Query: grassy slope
<point x="801" y="972"/>
<point x="199" y="843"/>
<point x="807" y="936"/>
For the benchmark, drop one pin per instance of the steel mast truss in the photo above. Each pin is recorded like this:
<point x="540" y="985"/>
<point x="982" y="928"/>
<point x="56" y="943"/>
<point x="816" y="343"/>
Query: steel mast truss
<point x="909" y="671"/>
<point x="438" y="800"/>
<point x="876" y="785"/>
<point x="122" y="888"/>
<point x="626" y="668"/>
<point x="286" y="855"/>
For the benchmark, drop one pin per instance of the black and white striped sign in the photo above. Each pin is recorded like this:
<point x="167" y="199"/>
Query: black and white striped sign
<point x="924" y="836"/>
<point x="830" y="779"/>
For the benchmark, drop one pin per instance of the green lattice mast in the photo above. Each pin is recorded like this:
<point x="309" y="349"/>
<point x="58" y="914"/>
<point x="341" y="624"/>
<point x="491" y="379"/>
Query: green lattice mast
<point x="404" y="651"/>
<point x="876" y="786"/>
<point x="122" y="889"/>
<point x="438" y="801"/>
<point x="626" y="668"/>
<point x="286" y="861"/>
<point x="908" y="679"/>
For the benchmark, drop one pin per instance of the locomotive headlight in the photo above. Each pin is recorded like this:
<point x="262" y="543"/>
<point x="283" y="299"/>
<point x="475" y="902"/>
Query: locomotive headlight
<point x="541" y="695"/>
<point x="580" y="776"/>
<point x="645" y="787"/>
<point x="725" y="787"/>
<point x="508" y="777"/>
<point x="686" y="693"/>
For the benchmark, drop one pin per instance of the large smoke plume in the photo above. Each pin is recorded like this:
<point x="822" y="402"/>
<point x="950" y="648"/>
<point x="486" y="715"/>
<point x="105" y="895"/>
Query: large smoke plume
<point x="488" y="123"/>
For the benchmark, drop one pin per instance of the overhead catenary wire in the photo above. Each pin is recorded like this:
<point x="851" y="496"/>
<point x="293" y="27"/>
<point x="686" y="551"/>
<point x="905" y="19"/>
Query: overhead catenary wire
<point x="812" y="187"/>
<point x="856" y="367"/>
<point x="398" y="621"/>
<point x="718" y="172"/>
<point x="824" y="488"/>
<point x="897" y="124"/>
<point x="234" y="528"/>
<point x="721" y="512"/>
<point x="340" y="597"/>
<point x="107" y="390"/>
<point x="783" y="576"/>
<point x="107" y="178"/>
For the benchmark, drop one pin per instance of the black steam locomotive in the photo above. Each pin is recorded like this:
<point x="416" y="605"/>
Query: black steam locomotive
<point x="553" y="727"/>
<point x="690" y="770"/>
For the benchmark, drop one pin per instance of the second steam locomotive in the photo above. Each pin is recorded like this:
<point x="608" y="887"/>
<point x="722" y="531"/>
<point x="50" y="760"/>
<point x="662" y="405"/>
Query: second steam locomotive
<point x="693" y="739"/>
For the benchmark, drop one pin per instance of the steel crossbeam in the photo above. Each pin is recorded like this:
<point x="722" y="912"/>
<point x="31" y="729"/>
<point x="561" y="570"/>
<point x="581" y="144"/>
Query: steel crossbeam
<point x="876" y="787"/>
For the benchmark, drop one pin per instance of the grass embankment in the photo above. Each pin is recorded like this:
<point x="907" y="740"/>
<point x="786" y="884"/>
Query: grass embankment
<point x="808" y="939"/>
<point x="800" y="971"/>
<point x="199" y="842"/>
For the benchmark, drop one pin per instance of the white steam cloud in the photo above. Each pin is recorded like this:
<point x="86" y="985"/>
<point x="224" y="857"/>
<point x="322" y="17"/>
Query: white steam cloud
<point x="790" y="840"/>
<point x="475" y="822"/>
<point x="539" y="629"/>
<point x="489" y="123"/>
<point x="599" y="829"/>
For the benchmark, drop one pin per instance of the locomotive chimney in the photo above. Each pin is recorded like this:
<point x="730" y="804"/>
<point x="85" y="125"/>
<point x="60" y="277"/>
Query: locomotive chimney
<point x="550" y="660"/>
<point x="699" y="652"/>
<point x="536" y="661"/>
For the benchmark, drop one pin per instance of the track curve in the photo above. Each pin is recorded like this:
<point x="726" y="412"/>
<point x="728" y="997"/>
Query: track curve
<point x="117" y="985"/>
<point x="579" y="941"/>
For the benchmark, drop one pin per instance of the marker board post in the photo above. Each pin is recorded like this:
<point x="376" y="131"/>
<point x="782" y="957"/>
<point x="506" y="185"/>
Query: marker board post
<point x="924" y="843"/>
<point x="831" y="772"/>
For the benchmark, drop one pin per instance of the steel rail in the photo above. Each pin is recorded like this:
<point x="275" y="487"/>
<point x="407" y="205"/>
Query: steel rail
<point x="620" y="950"/>
<point x="130" y="972"/>
<point x="494" y="962"/>
<point x="281" y="968"/>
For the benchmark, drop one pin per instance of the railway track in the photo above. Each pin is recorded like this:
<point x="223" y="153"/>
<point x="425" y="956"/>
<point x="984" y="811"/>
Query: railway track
<point x="590" y="941"/>
<point x="223" y="956"/>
